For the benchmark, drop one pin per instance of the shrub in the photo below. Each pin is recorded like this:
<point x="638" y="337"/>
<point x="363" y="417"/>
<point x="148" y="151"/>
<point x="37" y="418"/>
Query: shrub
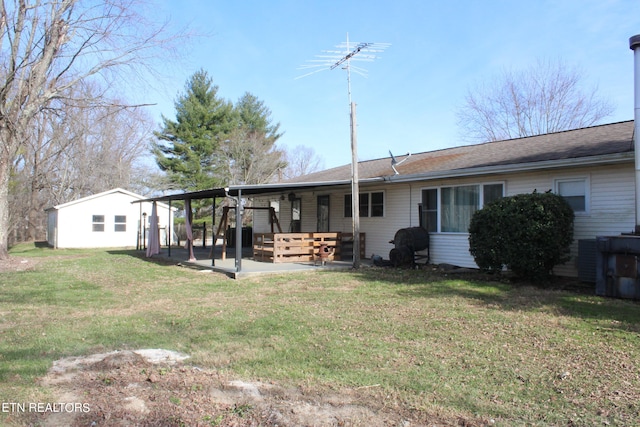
<point x="527" y="233"/>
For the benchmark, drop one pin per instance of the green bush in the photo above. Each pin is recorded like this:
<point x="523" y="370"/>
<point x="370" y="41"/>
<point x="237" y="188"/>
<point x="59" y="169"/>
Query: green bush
<point x="528" y="234"/>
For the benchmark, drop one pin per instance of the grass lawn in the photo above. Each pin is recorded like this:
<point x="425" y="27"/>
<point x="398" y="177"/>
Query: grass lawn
<point x="450" y="346"/>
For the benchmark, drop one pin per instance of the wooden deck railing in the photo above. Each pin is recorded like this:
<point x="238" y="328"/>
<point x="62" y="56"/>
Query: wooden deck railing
<point x="297" y="247"/>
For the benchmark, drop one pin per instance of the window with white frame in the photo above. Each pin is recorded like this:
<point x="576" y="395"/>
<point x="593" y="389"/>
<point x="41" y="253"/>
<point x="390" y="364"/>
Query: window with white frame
<point x="98" y="223"/>
<point x="449" y="209"/>
<point x="575" y="192"/>
<point x="430" y="210"/>
<point x="120" y="223"/>
<point x="371" y="204"/>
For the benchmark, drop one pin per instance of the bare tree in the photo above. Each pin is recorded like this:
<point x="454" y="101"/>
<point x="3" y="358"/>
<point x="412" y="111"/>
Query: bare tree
<point x="302" y="160"/>
<point x="50" y="46"/>
<point x="547" y="97"/>
<point x="252" y="157"/>
<point x="71" y="152"/>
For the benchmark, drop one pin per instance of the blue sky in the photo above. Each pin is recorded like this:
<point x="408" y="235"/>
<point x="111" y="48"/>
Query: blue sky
<point x="408" y="102"/>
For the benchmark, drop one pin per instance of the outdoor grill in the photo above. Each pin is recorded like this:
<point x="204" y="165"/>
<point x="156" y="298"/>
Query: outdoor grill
<point x="407" y="242"/>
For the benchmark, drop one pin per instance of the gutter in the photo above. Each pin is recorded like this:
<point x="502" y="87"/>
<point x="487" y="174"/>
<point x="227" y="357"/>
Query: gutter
<point x="511" y="168"/>
<point x="266" y="188"/>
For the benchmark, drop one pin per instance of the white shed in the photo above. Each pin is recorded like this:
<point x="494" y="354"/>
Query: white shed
<point x="105" y="220"/>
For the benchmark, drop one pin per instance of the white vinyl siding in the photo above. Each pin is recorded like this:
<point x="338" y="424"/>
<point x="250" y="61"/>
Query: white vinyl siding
<point x="611" y="209"/>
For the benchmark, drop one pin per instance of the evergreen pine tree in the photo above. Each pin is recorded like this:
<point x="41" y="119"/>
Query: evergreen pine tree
<point x="189" y="148"/>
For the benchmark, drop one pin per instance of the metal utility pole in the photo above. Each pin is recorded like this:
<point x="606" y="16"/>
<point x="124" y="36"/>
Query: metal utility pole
<point x="366" y="52"/>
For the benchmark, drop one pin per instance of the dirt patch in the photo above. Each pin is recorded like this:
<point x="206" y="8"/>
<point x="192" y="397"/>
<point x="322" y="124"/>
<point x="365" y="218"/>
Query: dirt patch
<point x="16" y="264"/>
<point x="157" y="388"/>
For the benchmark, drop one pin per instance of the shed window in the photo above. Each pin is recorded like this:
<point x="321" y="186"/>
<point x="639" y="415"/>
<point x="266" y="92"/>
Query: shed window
<point x="98" y="223"/>
<point x="120" y="223"/>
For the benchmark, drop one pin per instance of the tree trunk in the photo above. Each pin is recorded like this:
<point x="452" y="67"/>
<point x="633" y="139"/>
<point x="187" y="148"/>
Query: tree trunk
<point x="32" y="215"/>
<point x="5" y="167"/>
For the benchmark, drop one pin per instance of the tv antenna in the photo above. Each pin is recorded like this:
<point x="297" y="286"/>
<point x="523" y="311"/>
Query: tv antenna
<point x="345" y="53"/>
<point x="331" y="60"/>
<point x="395" y="162"/>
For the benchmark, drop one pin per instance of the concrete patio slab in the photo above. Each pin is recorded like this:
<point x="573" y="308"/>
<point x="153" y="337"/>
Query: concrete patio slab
<point x="248" y="266"/>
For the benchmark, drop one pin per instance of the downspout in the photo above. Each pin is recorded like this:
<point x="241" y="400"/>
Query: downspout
<point x="634" y="44"/>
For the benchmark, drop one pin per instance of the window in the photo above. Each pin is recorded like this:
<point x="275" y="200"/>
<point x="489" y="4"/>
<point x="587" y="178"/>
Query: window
<point x="275" y="204"/>
<point x="323" y="211"/>
<point x="449" y="209"/>
<point x="364" y="204"/>
<point x="296" y="216"/>
<point x="371" y="205"/>
<point x="457" y="206"/>
<point x="430" y="210"/>
<point x="120" y="223"/>
<point x="377" y="204"/>
<point x="98" y="223"/>
<point x="491" y="193"/>
<point x="574" y="191"/>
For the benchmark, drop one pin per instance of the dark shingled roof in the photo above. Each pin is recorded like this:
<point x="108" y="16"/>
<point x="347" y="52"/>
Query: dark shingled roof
<point x="609" y="139"/>
<point x="597" y="144"/>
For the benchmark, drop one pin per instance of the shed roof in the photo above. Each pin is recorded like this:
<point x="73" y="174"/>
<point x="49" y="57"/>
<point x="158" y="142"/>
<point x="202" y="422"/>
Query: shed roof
<point x="135" y="196"/>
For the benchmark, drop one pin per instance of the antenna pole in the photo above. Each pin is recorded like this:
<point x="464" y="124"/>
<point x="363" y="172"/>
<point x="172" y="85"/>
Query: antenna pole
<point x="369" y="50"/>
<point x="355" y="189"/>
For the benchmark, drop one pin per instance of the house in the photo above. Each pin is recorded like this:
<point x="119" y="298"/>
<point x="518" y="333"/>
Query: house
<point x="593" y="168"/>
<point x="107" y="219"/>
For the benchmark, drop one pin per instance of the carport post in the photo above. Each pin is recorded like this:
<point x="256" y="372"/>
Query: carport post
<point x="239" y="232"/>
<point x="169" y="230"/>
<point x="139" y="241"/>
<point x="213" y="233"/>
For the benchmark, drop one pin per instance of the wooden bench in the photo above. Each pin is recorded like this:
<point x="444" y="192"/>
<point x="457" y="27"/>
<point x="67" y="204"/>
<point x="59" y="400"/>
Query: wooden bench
<point x="299" y="247"/>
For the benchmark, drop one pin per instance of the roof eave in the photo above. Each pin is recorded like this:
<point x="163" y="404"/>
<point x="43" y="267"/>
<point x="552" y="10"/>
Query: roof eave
<point x="519" y="167"/>
<point x="248" y="190"/>
<point x="290" y="186"/>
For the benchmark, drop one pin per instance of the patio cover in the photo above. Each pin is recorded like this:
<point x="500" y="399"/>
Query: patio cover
<point x="252" y="190"/>
<point x="238" y="191"/>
